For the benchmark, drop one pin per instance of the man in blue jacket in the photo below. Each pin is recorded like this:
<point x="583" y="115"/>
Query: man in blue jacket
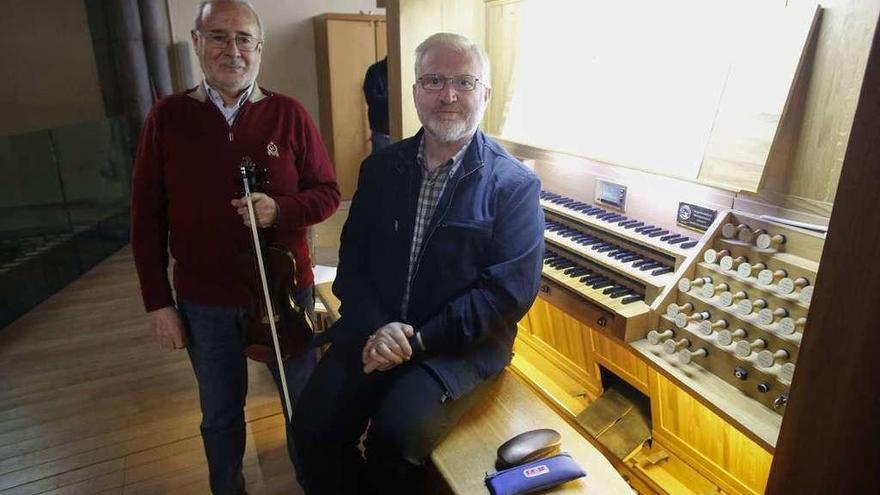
<point x="440" y="257"/>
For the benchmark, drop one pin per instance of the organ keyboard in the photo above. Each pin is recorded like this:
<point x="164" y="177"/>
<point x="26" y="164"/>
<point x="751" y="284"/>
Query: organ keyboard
<point x="619" y="264"/>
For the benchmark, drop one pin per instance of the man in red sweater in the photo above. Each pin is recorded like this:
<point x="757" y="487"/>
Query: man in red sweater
<point x="186" y="195"/>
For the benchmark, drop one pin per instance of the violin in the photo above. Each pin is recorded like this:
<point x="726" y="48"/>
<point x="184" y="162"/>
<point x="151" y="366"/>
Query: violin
<point x="274" y="323"/>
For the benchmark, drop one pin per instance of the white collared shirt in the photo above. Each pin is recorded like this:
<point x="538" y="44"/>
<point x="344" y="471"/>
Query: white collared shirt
<point x="228" y="112"/>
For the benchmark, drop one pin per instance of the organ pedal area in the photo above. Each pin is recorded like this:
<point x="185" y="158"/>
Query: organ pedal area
<point x="671" y="350"/>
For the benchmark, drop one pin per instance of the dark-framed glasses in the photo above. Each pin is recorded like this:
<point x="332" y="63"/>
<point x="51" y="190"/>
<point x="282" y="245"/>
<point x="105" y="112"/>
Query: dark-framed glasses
<point x="243" y="42"/>
<point x="436" y="82"/>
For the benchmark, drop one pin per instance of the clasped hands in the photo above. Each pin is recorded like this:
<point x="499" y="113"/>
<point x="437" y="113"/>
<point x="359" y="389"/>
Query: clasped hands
<point x="265" y="210"/>
<point x="387" y="347"/>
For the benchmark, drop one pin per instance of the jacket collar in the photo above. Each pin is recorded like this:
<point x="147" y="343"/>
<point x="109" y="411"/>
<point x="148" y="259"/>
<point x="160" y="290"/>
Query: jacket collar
<point x="473" y="157"/>
<point x="199" y="94"/>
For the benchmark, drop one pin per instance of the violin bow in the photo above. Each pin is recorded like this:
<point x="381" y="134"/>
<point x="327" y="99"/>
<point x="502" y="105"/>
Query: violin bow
<point x="270" y="312"/>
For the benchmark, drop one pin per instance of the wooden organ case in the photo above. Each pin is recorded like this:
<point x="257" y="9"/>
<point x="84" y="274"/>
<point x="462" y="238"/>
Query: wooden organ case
<point x="707" y="326"/>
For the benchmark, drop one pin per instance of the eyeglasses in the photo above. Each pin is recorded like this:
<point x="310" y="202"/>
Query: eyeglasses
<point x="243" y="42"/>
<point x="436" y="82"/>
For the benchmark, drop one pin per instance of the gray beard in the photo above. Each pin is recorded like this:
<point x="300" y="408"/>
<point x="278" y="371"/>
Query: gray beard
<point x="450" y="132"/>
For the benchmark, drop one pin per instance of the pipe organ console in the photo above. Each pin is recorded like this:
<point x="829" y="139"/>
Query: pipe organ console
<point x="716" y="316"/>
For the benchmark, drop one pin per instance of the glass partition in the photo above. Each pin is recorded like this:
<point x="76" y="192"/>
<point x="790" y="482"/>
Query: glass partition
<point x="64" y="202"/>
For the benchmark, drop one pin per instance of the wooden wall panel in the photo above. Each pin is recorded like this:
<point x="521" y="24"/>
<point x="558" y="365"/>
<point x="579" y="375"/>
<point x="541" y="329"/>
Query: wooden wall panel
<point x="564" y="334"/>
<point x="618" y="358"/>
<point x="705" y="440"/>
<point x="811" y="170"/>
<point x="828" y="441"/>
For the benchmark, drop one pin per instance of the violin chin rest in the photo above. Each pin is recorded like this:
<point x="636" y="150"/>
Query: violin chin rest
<point x="259" y="352"/>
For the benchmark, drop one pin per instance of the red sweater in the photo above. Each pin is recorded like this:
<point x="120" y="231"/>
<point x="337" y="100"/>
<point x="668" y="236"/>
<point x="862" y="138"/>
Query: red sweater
<point x="187" y="172"/>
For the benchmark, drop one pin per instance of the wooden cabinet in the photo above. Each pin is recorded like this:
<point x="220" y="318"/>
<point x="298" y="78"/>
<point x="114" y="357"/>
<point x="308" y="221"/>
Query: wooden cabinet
<point x="345" y="46"/>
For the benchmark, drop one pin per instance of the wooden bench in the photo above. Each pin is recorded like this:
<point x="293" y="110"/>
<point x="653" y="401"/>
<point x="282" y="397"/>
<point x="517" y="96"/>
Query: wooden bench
<point x="468" y="452"/>
<point x="511" y="407"/>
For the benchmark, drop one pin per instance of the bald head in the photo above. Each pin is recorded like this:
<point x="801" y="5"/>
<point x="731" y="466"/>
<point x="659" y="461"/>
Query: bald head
<point x="205" y="7"/>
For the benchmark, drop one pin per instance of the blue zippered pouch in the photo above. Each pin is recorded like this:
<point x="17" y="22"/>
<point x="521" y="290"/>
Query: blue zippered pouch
<point x="537" y="475"/>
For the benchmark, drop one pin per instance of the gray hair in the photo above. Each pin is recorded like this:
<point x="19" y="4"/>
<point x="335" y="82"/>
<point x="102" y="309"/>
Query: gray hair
<point x="460" y="44"/>
<point x="203" y="5"/>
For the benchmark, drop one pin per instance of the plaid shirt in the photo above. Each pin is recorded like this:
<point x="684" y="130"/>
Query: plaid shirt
<point x="433" y="185"/>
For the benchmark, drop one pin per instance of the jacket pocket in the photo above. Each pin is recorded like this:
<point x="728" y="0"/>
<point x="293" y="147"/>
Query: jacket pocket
<point x="478" y="227"/>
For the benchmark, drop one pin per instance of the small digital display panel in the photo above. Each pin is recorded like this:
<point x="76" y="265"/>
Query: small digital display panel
<point x="611" y="194"/>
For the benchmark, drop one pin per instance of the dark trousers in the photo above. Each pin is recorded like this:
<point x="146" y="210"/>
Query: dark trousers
<point x="408" y="412"/>
<point x="215" y="351"/>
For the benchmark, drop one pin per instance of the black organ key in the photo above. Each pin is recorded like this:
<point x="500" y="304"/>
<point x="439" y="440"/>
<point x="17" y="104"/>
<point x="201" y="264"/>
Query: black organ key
<point x="632" y="257"/>
<point x="650" y="230"/>
<point x="658" y="233"/>
<point x="662" y="271"/>
<point x="603" y="284"/>
<point x="632" y="224"/>
<point x="622" y="220"/>
<point x="646" y="228"/>
<point x="614" y="252"/>
<point x="614" y="288"/>
<point x="667" y="237"/>
<point x="650" y="266"/>
<point x="577" y="272"/>
<point x="621" y="293"/>
<point x="591" y="279"/>
<point x="606" y="248"/>
<point x="623" y="253"/>
<point x="688" y="245"/>
<point x="678" y="240"/>
<point x="631" y="299"/>
<point x="637" y="264"/>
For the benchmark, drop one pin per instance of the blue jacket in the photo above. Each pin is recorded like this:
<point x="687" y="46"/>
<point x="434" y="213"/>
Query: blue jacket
<point x="479" y="269"/>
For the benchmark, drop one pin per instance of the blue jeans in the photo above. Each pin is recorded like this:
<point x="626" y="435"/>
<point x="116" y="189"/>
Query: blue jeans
<point x="215" y="342"/>
<point x="379" y="140"/>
